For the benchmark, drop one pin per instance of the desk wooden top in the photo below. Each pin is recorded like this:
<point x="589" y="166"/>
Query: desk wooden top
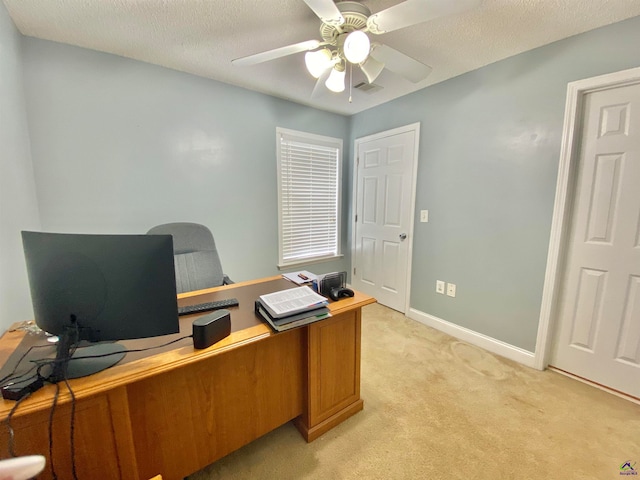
<point x="246" y="327"/>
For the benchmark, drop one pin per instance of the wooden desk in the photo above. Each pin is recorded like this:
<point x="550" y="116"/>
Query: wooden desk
<point x="178" y="410"/>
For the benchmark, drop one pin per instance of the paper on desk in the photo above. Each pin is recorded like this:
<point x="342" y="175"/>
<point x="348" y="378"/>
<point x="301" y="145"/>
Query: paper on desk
<point x="291" y="301"/>
<point x="298" y="277"/>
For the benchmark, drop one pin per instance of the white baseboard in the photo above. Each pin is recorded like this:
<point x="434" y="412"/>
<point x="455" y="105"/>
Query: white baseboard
<point x="474" y="338"/>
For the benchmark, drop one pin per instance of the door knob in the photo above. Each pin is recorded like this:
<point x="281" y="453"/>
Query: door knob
<point x="403" y="236"/>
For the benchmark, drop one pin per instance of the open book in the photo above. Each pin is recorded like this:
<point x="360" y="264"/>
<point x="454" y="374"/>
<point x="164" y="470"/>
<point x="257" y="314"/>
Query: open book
<point x="291" y="301"/>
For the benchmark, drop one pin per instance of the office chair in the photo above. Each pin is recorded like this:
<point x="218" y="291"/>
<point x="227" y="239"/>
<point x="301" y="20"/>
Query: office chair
<point x="196" y="257"/>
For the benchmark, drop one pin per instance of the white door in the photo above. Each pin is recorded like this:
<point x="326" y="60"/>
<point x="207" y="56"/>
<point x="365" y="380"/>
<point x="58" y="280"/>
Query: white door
<point x="598" y="323"/>
<point x="384" y="206"/>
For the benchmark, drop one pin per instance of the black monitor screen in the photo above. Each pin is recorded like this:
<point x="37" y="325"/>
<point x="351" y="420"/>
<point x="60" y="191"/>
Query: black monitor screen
<point x="100" y="288"/>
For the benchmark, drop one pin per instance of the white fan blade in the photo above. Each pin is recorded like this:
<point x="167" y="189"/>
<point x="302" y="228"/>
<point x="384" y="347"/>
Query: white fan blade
<point x="371" y="68"/>
<point x="400" y="63"/>
<point x="275" y="53"/>
<point x="327" y="11"/>
<point x="412" y="12"/>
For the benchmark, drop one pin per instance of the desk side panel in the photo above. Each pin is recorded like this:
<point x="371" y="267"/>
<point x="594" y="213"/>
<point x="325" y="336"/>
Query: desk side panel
<point x="188" y="418"/>
<point x="333" y="381"/>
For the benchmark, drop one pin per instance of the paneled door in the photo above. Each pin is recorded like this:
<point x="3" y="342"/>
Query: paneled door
<point x="384" y="206"/>
<point x="598" y="323"/>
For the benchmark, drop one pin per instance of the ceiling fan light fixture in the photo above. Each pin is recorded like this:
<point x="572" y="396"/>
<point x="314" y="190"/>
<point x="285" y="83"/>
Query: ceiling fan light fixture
<point x="318" y="61"/>
<point x="371" y="68"/>
<point x="356" y="46"/>
<point x="335" y="82"/>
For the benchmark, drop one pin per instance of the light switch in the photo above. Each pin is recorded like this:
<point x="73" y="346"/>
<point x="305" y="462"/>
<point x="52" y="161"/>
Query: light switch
<point x="439" y="286"/>
<point x="424" y="215"/>
<point x="451" y="289"/>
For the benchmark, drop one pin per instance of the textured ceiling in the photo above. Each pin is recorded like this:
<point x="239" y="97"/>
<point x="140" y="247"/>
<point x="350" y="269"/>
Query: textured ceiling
<point x="203" y="36"/>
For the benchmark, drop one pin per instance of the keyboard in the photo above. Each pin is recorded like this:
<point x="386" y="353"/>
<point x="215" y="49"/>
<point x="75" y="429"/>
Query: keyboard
<point x="205" y="307"/>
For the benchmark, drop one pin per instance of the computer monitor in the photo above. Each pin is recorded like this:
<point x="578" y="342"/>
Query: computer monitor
<point x="98" y="288"/>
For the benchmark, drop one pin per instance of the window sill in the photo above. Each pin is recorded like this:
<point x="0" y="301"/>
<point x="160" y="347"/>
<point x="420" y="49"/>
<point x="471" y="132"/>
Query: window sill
<point x="309" y="261"/>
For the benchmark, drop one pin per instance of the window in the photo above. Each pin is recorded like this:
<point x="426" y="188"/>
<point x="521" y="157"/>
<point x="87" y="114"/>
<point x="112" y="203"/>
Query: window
<point x="309" y="169"/>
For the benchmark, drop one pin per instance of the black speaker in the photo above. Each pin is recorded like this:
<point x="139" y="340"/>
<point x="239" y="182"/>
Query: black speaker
<point x="211" y="328"/>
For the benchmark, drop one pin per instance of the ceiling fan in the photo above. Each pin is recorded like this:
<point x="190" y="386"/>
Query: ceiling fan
<point x="345" y="29"/>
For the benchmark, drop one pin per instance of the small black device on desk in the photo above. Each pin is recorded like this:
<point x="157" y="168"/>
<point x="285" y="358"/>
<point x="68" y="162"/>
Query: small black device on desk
<point x="337" y="293"/>
<point x="17" y="390"/>
<point x="211" y="328"/>
<point x="205" y="307"/>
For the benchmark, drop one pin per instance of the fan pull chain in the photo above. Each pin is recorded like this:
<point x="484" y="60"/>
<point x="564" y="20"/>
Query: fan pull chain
<point x="350" y="79"/>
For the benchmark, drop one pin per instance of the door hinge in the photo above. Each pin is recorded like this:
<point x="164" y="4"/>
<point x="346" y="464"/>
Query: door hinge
<point x="354" y="271"/>
<point x="356" y="218"/>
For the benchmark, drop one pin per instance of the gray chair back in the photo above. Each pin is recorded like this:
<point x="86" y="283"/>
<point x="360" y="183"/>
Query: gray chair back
<point x="196" y="257"/>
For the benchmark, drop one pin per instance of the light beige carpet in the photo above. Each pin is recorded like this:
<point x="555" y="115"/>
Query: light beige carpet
<point x="438" y="408"/>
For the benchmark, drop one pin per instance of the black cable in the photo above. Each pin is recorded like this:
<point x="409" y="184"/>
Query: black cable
<point x="54" y="405"/>
<point x="8" y="377"/>
<point x="11" y="377"/>
<point x="72" y="349"/>
<point x="135" y="350"/>
<point x="53" y="409"/>
<point x="16" y="378"/>
<point x="11" y="445"/>
<point x="72" y="429"/>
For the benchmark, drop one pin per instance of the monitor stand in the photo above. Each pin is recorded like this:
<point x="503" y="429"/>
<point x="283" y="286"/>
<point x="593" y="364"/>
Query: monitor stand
<point x="79" y="366"/>
<point x="85" y="360"/>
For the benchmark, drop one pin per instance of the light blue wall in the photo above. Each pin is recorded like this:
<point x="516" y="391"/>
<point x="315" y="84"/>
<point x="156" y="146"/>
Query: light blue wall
<point x="18" y="203"/>
<point x="489" y="152"/>
<point x="120" y="145"/>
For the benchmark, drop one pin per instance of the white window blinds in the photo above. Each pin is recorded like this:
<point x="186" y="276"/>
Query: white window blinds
<point x="309" y="196"/>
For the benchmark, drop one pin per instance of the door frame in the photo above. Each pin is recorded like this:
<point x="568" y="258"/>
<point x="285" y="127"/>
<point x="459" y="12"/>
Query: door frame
<point x="567" y="169"/>
<point x="413" y="127"/>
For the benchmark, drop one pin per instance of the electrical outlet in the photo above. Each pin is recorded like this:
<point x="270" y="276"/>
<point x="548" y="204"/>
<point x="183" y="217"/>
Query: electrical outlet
<point x="439" y="286"/>
<point x="424" y="215"/>
<point x="451" y="289"/>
